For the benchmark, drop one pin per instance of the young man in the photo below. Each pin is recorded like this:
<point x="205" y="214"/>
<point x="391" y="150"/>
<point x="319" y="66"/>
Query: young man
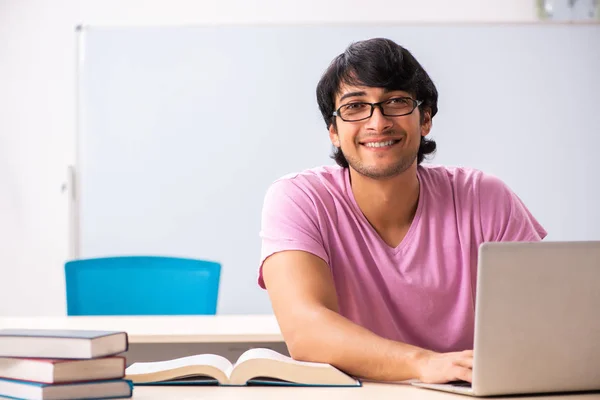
<point x="371" y="266"/>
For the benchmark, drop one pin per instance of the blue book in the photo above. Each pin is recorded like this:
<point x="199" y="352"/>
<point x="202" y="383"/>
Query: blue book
<point x="253" y="367"/>
<point x="67" y="344"/>
<point x="110" y="389"/>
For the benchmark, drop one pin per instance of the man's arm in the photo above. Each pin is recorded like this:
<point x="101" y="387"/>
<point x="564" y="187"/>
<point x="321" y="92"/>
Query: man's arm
<point x="304" y="301"/>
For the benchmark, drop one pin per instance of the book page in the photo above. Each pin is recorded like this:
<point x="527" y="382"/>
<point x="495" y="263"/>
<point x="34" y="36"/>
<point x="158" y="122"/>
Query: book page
<point x="269" y="354"/>
<point x="269" y="365"/>
<point x="213" y="360"/>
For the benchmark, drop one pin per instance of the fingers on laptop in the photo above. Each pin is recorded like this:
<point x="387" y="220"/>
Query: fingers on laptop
<point x="465" y="359"/>
<point x="464" y="366"/>
<point x="464" y="374"/>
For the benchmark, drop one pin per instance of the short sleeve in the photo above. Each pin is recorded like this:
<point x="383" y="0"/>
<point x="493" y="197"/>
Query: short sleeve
<point x="504" y="217"/>
<point x="289" y="222"/>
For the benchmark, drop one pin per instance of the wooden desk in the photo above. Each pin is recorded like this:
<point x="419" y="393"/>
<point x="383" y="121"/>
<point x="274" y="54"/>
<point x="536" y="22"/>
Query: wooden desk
<point x="375" y="391"/>
<point x="166" y="337"/>
<point x="166" y="329"/>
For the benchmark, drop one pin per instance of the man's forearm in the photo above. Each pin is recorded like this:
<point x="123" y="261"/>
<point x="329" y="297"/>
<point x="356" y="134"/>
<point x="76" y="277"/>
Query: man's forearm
<point x="326" y="336"/>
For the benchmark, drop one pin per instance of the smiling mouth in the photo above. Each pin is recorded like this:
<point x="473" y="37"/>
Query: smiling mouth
<point x="387" y="143"/>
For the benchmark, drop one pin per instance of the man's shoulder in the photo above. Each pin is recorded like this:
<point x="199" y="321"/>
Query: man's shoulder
<point x="457" y="176"/>
<point x="322" y="179"/>
<point x="316" y="191"/>
<point x="462" y="182"/>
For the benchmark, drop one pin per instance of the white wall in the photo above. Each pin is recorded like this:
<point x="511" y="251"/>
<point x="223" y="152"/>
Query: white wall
<point x="37" y="107"/>
<point x="36" y="134"/>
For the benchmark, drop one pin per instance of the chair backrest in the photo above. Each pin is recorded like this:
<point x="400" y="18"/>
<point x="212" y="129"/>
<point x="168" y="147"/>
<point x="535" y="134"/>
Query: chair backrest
<point x="142" y="285"/>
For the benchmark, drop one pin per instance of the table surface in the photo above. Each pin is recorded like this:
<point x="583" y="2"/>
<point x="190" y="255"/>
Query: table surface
<point x="379" y="391"/>
<point x="240" y="329"/>
<point x="165" y="329"/>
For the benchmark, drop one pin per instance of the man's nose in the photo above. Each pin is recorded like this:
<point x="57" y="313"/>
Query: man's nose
<point x="378" y="122"/>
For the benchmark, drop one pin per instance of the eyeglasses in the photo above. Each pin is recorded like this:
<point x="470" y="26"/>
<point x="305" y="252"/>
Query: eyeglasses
<point x="394" y="107"/>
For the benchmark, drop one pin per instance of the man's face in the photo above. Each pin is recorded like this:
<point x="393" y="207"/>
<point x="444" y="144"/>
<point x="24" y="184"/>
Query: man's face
<point x="378" y="147"/>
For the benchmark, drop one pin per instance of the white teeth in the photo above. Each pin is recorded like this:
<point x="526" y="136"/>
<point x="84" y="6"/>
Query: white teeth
<point x="380" y="144"/>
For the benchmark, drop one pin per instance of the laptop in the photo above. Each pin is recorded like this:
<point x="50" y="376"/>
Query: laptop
<point x="537" y="320"/>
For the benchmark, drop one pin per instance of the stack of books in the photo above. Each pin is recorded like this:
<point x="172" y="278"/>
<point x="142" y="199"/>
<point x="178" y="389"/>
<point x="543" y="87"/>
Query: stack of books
<point x="63" y="364"/>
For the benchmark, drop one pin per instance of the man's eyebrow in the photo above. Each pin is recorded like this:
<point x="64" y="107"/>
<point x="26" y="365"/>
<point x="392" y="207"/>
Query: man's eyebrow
<point x="352" y="94"/>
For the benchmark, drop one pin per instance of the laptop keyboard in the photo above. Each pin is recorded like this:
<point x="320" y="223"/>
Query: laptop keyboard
<point x="460" y="384"/>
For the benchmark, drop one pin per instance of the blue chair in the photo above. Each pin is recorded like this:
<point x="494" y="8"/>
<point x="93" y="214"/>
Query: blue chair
<point x="142" y="285"/>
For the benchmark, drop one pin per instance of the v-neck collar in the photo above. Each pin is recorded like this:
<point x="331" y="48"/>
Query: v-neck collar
<point x="413" y="224"/>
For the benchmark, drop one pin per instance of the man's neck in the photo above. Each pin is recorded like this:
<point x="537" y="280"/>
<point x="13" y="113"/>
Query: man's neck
<point x="388" y="204"/>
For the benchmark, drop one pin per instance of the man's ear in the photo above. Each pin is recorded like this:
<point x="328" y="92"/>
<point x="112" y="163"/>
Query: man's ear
<point x="333" y="136"/>
<point x="426" y="123"/>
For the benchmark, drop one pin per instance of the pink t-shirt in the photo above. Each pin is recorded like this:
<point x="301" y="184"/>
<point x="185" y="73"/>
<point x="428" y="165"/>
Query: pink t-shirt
<point x="423" y="291"/>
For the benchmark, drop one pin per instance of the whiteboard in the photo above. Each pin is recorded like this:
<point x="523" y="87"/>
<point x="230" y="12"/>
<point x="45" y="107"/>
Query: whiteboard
<point x="182" y="129"/>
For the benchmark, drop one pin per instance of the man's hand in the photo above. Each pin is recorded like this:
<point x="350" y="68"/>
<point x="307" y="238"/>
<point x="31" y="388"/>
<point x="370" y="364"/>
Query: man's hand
<point x="446" y="367"/>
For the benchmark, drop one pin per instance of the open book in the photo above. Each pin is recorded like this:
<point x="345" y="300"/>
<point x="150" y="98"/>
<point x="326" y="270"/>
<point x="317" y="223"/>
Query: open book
<point x="253" y="367"/>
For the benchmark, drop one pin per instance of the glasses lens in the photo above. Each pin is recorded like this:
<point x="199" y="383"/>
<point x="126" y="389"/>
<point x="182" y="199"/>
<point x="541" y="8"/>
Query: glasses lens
<point x="355" y="111"/>
<point x="398" y="106"/>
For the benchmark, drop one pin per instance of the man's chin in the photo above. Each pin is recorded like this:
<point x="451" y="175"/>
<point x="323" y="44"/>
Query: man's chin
<point x="382" y="168"/>
<point x="381" y="172"/>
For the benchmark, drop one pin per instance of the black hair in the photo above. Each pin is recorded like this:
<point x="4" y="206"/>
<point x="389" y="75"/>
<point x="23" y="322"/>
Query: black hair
<point x="377" y="63"/>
